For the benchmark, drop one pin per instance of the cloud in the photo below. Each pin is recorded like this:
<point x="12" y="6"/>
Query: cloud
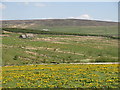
<point x="26" y="3"/>
<point x="108" y="20"/>
<point x="39" y="5"/>
<point x="71" y="17"/>
<point x="34" y="4"/>
<point x="2" y="6"/>
<point x="84" y="16"/>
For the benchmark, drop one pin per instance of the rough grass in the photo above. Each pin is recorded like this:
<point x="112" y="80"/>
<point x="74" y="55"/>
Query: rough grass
<point x="58" y="48"/>
<point x="96" y="30"/>
<point x="103" y="31"/>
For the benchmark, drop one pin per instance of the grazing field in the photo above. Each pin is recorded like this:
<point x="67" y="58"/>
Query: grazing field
<point x="104" y="31"/>
<point x="73" y="26"/>
<point x="92" y="30"/>
<point x="61" y="76"/>
<point x="57" y="48"/>
<point x="44" y="61"/>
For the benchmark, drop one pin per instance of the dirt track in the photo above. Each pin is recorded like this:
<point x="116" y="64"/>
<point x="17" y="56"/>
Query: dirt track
<point x="98" y="63"/>
<point x="69" y="63"/>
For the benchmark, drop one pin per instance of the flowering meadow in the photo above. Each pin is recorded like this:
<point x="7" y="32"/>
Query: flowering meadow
<point x="61" y="76"/>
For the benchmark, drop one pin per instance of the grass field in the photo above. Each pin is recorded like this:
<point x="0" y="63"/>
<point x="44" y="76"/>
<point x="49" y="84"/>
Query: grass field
<point x="75" y="26"/>
<point x="93" y="30"/>
<point x="61" y="76"/>
<point x="18" y="54"/>
<point x="58" y="48"/>
<point x="105" y="31"/>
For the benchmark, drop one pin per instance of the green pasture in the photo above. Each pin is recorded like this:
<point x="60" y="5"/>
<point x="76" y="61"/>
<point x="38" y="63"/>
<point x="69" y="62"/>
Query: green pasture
<point x="57" y="48"/>
<point x="99" y="30"/>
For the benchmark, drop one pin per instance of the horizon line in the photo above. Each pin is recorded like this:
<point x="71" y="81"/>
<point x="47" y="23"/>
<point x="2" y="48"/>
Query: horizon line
<point x="57" y="18"/>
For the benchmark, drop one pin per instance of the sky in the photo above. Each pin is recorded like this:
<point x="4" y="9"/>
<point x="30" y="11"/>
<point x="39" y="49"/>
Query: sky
<point x="104" y="11"/>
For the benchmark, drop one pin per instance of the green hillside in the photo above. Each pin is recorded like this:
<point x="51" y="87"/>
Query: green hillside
<point x="57" y="48"/>
<point x="74" y="26"/>
<point x="60" y="41"/>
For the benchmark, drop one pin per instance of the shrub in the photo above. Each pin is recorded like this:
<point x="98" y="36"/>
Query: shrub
<point x="15" y="57"/>
<point x="105" y="59"/>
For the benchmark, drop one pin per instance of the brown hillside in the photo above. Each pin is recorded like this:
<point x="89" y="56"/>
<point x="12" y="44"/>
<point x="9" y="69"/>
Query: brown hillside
<point x="56" y="22"/>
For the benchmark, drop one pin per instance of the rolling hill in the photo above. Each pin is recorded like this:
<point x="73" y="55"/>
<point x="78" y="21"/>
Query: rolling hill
<point x="60" y="54"/>
<point x="56" y="22"/>
<point x="74" y="26"/>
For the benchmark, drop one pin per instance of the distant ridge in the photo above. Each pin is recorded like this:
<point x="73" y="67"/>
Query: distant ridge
<point x="58" y="19"/>
<point x="56" y="22"/>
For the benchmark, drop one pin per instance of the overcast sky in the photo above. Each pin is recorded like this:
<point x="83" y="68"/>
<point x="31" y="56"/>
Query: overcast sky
<point x="106" y="11"/>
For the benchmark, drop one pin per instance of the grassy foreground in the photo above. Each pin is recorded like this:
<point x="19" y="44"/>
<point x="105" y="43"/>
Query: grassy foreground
<point x="57" y="48"/>
<point x="61" y="76"/>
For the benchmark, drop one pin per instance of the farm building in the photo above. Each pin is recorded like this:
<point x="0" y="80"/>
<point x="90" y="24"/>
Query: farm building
<point x="26" y="36"/>
<point x="22" y="36"/>
<point x="45" y="29"/>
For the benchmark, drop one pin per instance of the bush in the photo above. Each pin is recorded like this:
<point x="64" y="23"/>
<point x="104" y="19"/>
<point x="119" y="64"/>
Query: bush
<point x="15" y="57"/>
<point x="105" y="59"/>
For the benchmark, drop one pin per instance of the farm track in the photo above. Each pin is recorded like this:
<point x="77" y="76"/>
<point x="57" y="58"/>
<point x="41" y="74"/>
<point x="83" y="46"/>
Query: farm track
<point x="51" y="49"/>
<point x="99" y="63"/>
<point x="43" y="48"/>
<point x="103" y="63"/>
